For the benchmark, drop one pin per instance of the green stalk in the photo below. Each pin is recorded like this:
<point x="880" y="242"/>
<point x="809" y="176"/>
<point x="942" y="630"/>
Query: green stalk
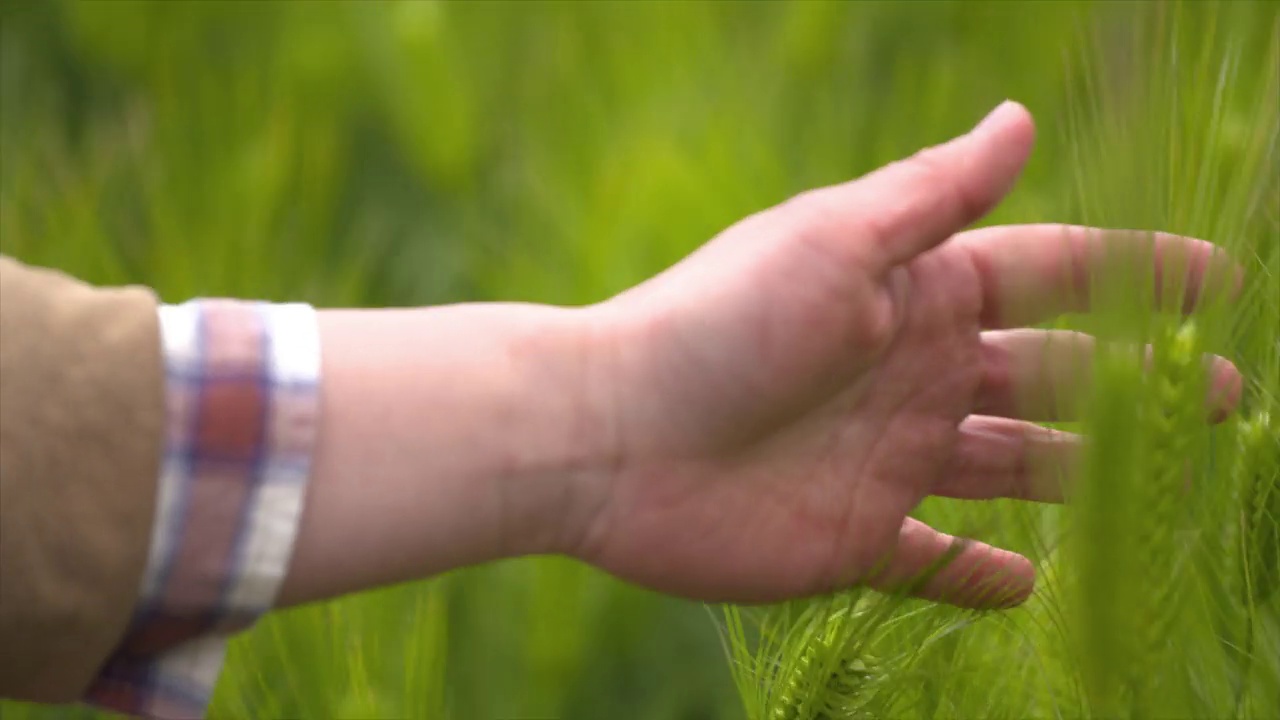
<point x="1258" y="465"/>
<point x="1259" y="536"/>
<point x="1172" y="419"/>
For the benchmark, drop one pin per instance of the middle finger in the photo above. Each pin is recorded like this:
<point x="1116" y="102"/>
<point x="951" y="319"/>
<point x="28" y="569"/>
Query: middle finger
<point x="1044" y="375"/>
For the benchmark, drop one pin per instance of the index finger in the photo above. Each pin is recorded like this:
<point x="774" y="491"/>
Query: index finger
<point x="1032" y="273"/>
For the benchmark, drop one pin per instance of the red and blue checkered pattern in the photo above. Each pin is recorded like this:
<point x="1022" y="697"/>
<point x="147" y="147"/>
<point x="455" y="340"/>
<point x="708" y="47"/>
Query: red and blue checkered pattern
<point x="243" y="409"/>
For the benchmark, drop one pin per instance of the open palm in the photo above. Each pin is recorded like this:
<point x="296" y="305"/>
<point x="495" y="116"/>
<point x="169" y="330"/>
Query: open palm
<point x="781" y="400"/>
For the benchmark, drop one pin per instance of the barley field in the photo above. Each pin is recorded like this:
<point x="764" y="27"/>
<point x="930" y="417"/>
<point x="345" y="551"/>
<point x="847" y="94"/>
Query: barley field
<point x="415" y="153"/>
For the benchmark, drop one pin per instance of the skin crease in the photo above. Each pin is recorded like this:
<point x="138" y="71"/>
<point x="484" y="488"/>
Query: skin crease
<point x="754" y="424"/>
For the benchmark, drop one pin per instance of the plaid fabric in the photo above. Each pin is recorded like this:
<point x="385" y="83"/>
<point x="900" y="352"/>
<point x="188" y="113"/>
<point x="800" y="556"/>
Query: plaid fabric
<point x="243" y="402"/>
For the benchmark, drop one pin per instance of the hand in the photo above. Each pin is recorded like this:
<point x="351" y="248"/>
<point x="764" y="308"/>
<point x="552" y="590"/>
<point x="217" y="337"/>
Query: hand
<point x="781" y="400"/>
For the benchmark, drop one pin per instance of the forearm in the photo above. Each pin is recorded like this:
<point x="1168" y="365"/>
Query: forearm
<point x="449" y="436"/>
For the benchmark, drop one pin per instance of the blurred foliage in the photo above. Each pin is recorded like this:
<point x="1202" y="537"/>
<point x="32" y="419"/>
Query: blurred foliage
<point x="380" y="154"/>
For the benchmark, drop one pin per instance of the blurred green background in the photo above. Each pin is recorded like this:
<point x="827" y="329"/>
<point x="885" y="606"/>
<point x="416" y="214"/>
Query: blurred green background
<point x="424" y="152"/>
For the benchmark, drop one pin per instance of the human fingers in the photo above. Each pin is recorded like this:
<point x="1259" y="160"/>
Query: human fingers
<point x="935" y="566"/>
<point x="893" y="214"/>
<point x="1002" y="458"/>
<point x="1032" y="273"/>
<point x="1045" y="375"/>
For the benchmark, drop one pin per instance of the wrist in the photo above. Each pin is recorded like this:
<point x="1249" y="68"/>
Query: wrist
<point x="558" y="465"/>
<point x="449" y="436"/>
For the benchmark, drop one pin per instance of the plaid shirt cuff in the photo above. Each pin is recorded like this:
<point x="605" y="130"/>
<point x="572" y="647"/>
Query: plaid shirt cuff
<point x="243" y="405"/>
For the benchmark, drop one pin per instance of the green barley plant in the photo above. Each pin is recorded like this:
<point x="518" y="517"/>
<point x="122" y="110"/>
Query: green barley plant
<point x="424" y="152"/>
<point x="1256" y="477"/>
<point x="840" y="657"/>
<point x="1172" y="420"/>
<point x="1258" y="468"/>
<point x="1156" y="595"/>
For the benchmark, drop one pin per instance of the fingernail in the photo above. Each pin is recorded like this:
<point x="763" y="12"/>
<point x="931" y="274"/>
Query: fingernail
<point x="1226" y="387"/>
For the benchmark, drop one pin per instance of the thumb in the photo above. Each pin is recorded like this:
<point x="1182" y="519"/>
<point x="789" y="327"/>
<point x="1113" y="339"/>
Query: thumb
<point x="935" y="566"/>
<point x="910" y="206"/>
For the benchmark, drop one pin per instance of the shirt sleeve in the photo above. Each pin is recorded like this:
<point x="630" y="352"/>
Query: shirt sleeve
<point x="81" y="437"/>
<point x="242" y="393"/>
